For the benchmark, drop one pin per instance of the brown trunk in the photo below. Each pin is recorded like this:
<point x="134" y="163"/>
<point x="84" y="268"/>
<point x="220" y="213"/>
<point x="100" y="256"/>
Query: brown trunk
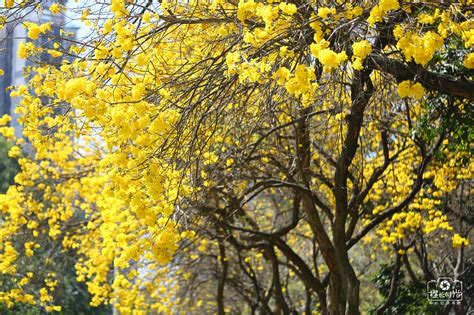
<point x="337" y="298"/>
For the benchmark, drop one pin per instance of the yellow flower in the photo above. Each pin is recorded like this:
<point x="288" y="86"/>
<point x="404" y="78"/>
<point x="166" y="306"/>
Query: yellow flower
<point x="246" y="9"/>
<point x="330" y="59"/>
<point x="381" y="9"/>
<point x="408" y="89"/>
<point x="426" y="18"/>
<point x="288" y="8"/>
<point x="459" y="241"/>
<point x="137" y="91"/>
<point x="34" y="30"/>
<point x="44" y="295"/>
<point x="324" y="12"/>
<point x="414" y="47"/>
<point x="146" y="17"/>
<point x="282" y="75"/>
<point x="5" y="119"/>
<point x="357" y="64"/>
<point x="55" y="308"/>
<point x="55" y="8"/>
<point x="54" y="53"/>
<point x="108" y="27"/>
<point x="469" y="61"/>
<point x="29" y="249"/>
<point x="362" y="49"/>
<point x="14" y="152"/>
<point x="388" y="5"/>
<point x="8" y="132"/>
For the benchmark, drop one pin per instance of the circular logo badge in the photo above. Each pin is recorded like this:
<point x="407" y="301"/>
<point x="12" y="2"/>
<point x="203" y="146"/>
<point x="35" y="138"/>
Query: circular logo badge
<point x="444" y="285"/>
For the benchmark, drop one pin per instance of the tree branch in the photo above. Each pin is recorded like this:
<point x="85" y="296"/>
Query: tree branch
<point x="433" y="81"/>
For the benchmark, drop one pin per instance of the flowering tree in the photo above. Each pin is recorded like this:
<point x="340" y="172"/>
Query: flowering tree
<point x="241" y="157"/>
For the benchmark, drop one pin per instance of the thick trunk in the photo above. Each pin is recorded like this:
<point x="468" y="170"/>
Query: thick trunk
<point x="303" y="148"/>
<point x="361" y="91"/>
<point x="336" y="295"/>
<point x="348" y="285"/>
<point x="343" y="292"/>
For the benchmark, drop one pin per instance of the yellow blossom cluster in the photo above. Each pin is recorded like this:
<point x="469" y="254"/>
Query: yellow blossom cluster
<point x="106" y="239"/>
<point x="469" y="61"/>
<point x="410" y="89"/>
<point x="55" y="8"/>
<point x="418" y="48"/>
<point x="328" y="58"/>
<point x="360" y="51"/>
<point x="34" y="30"/>
<point x="459" y="241"/>
<point x="378" y="11"/>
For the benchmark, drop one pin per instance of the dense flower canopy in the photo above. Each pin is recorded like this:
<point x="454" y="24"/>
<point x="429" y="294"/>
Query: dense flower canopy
<point x="261" y="137"/>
